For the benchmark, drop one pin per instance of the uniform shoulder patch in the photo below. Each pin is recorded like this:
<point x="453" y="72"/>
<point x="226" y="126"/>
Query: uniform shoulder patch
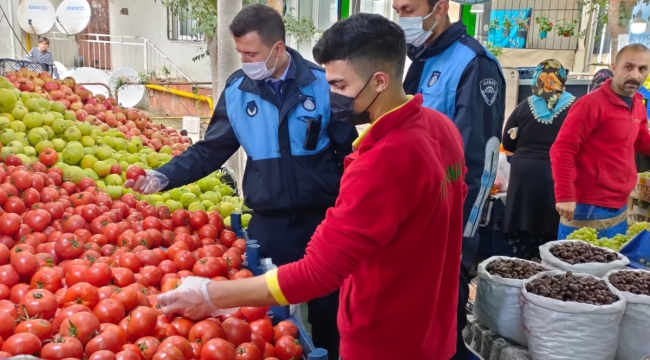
<point x="309" y="103"/>
<point x="251" y="108"/>
<point x="434" y="78"/>
<point x="489" y="89"/>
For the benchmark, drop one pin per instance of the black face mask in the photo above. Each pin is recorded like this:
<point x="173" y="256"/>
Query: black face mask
<point x="343" y="107"/>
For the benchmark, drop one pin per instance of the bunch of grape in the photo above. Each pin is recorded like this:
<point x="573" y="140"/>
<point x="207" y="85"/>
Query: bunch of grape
<point x="587" y="234"/>
<point x="636" y="228"/>
<point x="615" y="243"/>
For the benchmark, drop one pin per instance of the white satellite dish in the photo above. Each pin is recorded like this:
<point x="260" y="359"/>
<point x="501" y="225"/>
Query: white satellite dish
<point x="91" y="75"/>
<point x="128" y="95"/>
<point x="73" y="16"/>
<point x="36" y="16"/>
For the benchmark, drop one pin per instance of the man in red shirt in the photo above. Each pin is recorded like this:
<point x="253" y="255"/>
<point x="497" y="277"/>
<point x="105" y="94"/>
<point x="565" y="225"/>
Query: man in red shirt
<point x="392" y="242"/>
<point x="593" y="156"/>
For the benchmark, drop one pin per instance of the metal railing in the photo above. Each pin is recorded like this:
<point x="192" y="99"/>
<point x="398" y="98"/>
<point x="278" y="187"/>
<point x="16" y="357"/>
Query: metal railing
<point x="111" y="52"/>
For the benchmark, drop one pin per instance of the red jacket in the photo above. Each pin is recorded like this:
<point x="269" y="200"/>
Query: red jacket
<point x="392" y="243"/>
<point x="593" y="156"/>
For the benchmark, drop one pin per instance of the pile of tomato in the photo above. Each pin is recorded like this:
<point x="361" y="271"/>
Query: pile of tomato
<point x="79" y="275"/>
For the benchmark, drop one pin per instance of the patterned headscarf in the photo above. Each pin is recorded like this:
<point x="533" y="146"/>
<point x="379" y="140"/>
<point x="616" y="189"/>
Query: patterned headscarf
<point x="599" y="78"/>
<point x="548" y="81"/>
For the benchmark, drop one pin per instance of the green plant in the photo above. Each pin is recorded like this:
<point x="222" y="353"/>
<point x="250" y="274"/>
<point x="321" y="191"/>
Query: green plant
<point x="300" y="28"/>
<point x="544" y="24"/>
<point x="522" y="23"/>
<point x="494" y="24"/>
<point x="566" y="28"/>
<point x="495" y="50"/>
<point x="507" y="24"/>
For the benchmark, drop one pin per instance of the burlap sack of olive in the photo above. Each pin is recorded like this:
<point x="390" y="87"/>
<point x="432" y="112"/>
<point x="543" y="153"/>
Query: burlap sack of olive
<point x="569" y="316"/>
<point x="581" y="257"/>
<point x="497" y="295"/>
<point x="634" y="337"/>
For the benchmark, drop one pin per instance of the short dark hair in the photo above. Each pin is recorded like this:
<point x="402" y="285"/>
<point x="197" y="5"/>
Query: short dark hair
<point x="369" y="42"/>
<point x="43" y="39"/>
<point x="263" y="20"/>
<point x="637" y="47"/>
<point x="432" y="3"/>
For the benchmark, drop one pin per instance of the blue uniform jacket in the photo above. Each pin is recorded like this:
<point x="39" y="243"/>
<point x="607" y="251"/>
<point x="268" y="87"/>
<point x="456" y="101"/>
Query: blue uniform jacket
<point x="458" y="76"/>
<point x="280" y="175"/>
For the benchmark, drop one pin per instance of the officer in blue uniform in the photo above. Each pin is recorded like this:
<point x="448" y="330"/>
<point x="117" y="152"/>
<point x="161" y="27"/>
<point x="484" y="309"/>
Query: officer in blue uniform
<point x="458" y="76"/>
<point x="277" y="108"/>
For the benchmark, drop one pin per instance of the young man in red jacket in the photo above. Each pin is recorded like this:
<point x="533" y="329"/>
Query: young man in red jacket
<point x="392" y="242"/>
<point x="593" y="156"/>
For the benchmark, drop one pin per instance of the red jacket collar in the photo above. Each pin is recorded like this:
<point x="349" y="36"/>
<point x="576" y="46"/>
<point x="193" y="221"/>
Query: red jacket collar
<point x="613" y="97"/>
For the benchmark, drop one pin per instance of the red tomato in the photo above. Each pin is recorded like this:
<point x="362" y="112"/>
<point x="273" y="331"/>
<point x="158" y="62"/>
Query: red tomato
<point x="104" y="341"/>
<point x="109" y="311"/>
<point x="9" y="223"/>
<point x="134" y="172"/>
<point x="38" y="219"/>
<point x="130" y="261"/>
<point x="287" y="348"/>
<point x="218" y="349"/>
<point x="152" y="274"/>
<point x="18" y="291"/>
<point x="129" y="355"/>
<point x="65" y="313"/>
<point x="254" y="313"/>
<point x="98" y="274"/>
<point x="25" y="263"/>
<point x="48" y="157"/>
<point x="205" y="330"/>
<point x="39" y="327"/>
<point x="207" y="267"/>
<point x="248" y="351"/>
<point x="258" y="342"/>
<point x="169" y="353"/>
<point x="184" y="260"/>
<point x="148" y="345"/>
<point x="39" y="303"/>
<point x="128" y="296"/>
<point x="285" y="327"/>
<point x="237" y="331"/>
<point x="182" y="325"/>
<point x="149" y="257"/>
<point x="242" y="274"/>
<point x="22" y="344"/>
<point x="122" y="277"/>
<point x="68" y="246"/>
<point x="103" y="354"/>
<point x="63" y="347"/>
<point x="7" y="324"/>
<point x="233" y="259"/>
<point x="263" y="328"/>
<point x="142" y="322"/>
<point x="180" y="342"/>
<point x="240" y="244"/>
<point x="227" y="238"/>
<point x="269" y="351"/>
<point x="21" y="179"/>
<point x="82" y="325"/>
<point x="83" y="294"/>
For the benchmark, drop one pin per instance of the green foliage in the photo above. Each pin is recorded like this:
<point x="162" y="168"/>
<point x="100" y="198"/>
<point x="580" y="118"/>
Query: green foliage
<point x="624" y="15"/>
<point x="495" y="50"/>
<point x="494" y="24"/>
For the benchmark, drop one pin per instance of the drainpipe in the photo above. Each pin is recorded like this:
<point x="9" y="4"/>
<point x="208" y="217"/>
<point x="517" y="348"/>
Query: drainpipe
<point x="12" y="41"/>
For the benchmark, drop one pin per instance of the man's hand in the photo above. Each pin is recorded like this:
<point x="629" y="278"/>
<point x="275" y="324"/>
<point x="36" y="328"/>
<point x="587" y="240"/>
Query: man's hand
<point x="191" y="300"/>
<point x="150" y="184"/>
<point x="566" y="209"/>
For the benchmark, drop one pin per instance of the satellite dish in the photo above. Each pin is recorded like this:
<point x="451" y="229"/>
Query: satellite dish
<point x="36" y="16"/>
<point x="73" y="16"/>
<point x="128" y="95"/>
<point x="91" y="75"/>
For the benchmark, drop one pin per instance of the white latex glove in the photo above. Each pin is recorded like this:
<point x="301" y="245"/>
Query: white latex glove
<point x="150" y="184"/>
<point x="190" y="300"/>
<point x="513" y="133"/>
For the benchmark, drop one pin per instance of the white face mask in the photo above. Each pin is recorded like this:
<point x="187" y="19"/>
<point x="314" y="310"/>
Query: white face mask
<point x="412" y="27"/>
<point x="258" y="70"/>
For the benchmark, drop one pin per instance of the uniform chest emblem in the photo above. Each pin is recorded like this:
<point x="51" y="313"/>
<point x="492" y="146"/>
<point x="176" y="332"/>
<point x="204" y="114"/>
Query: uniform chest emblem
<point x="489" y="89"/>
<point x="251" y="108"/>
<point x="434" y="78"/>
<point x="309" y="104"/>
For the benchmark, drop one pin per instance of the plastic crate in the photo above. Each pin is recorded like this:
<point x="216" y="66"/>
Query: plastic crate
<point x="278" y="313"/>
<point x="7" y="65"/>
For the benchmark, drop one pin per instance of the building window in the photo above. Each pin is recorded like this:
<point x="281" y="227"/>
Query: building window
<point x="180" y="26"/>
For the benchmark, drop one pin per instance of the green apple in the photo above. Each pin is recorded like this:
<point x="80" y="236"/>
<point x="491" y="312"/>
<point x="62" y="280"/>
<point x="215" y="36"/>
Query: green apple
<point x="36" y="135"/>
<point x="19" y="112"/>
<point x="211" y="196"/>
<point x="18" y="126"/>
<point x="88" y="161"/>
<point x="91" y="174"/>
<point x="57" y="107"/>
<point x="187" y="199"/>
<point x="120" y="145"/>
<point x="59" y="126"/>
<point x="166" y="149"/>
<point x="153" y="160"/>
<point x="207" y="204"/>
<point x="89" y="151"/>
<point x="33" y="120"/>
<point x="18" y="147"/>
<point x="101" y="184"/>
<point x="87" y="141"/>
<point x="25" y="159"/>
<point x="42" y="145"/>
<point x="166" y="196"/>
<point x="146" y="150"/>
<point x="194" y="188"/>
<point x="226" y="221"/>
<point x="113" y="179"/>
<point x="96" y="133"/>
<point x="48" y="118"/>
<point x="29" y="151"/>
<point x="226" y="190"/>
<point x="24" y="97"/>
<point x="49" y="131"/>
<point x="32" y="105"/>
<point x="226" y="208"/>
<point x="44" y="104"/>
<point x="124" y="165"/>
<point x="245" y="220"/>
<point x="61" y="165"/>
<point x="178" y="192"/>
<point x="115" y="192"/>
<point x="4" y="122"/>
<point x="195" y="206"/>
<point x="104" y="152"/>
<point x="73" y="153"/>
<point x="119" y="157"/>
<point x="57" y="115"/>
<point x="69" y="115"/>
<point x="207" y="183"/>
<point x="110" y="142"/>
<point x="85" y="128"/>
<point x="7" y="136"/>
<point x="173" y="205"/>
<point x="22" y="137"/>
<point x="73" y="173"/>
<point x="213" y="208"/>
<point x="58" y="144"/>
<point x="110" y="161"/>
<point x="6" y="151"/>
<point x="101" y="168"/>
<point x="72" y="134"/>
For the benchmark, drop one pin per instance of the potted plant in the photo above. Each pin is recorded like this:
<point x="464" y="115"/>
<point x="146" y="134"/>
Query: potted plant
<point x="544" y="25"/>
<point x="522" y="27"/>
<point x="494" y="24"/>
<point x="506" y="26"/>
<point x="566" y="29"/>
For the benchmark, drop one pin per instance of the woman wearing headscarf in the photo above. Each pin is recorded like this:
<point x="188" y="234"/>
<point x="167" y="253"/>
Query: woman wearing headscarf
<point x="599" y="78"/>
<point x="530" y="217"/>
